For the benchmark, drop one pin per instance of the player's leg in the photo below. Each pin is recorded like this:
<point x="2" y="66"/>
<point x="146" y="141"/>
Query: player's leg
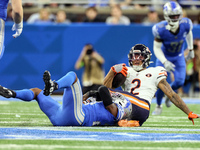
<point x="2" y="32"/>
<point x="179" y="77"/>
<point x="159" y="95"/>
<point x="71" y="111"/>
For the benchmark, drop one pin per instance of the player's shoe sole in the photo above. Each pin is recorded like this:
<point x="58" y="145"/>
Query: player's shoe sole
<point x="49" y="84"/>
<point x="7" y="92"/>
<point x="128" y="123"/>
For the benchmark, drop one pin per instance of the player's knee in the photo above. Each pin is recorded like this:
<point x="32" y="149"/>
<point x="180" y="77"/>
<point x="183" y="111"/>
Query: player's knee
<point x="179" y="82"/>
<point x="36" y="91"/>
<point x="73" y="76"/>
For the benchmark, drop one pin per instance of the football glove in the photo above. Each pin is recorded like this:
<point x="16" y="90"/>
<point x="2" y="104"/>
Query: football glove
<point x="169" y="66"/>
<point x="18" y="28"/>
<point x="190" y="55"/>
<point x="120" y="68"/>
<point x="192" y="116"/>
<point x="128" y="123"/>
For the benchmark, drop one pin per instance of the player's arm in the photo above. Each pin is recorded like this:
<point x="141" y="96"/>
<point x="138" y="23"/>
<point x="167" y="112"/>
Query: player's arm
<point x="119" y="69"/>
<point x="158" y="51"/>
<point x="17" y="11"/>
<point x="109" y="79"/>
<point x="189" y="40"/>
<point x="17" y="14"/>
<point x="175" y="99"/>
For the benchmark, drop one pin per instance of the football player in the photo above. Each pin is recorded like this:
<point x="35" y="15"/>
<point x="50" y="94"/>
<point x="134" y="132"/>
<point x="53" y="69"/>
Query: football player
<point x="17" y="14"/>
<point x="143" y="82"/>
<point x="72" y="112"/>
<point x="169" y="43"/>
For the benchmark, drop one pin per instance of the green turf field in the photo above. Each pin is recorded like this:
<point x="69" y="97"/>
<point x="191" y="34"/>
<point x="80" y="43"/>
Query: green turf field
<point x="27" y="115"/>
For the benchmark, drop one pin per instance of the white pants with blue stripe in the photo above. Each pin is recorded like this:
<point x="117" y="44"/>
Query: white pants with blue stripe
<point x="70" y="112"/>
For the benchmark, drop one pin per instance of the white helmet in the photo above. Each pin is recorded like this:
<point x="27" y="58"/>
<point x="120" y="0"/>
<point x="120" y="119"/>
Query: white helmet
<point x="172" y="13"/>
<point x="123" y="104"/>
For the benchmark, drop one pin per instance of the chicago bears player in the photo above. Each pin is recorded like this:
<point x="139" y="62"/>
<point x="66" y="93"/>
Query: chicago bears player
<point x="17" y="14"/>
<point x="170" y="36"/>
<point x="143" y="82"/>
<point x="72" y="111"/>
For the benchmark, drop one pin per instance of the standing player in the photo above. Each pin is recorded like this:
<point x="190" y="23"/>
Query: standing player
<point x="17" y="14"/>
<point x="143" y="82"/>
<point x="170" y="36"/>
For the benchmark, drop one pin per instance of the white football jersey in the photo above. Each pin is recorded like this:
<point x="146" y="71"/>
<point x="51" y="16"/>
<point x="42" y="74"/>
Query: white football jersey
<point x="144" y="83"/>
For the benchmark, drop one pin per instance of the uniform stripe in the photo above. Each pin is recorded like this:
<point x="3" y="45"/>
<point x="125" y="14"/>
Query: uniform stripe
<point x="137" y="102"/>
<point x="133" y="99"/>
<point x="173" y="5"/>
<point x="79" y="115"/>
<point x="2" y="30"/>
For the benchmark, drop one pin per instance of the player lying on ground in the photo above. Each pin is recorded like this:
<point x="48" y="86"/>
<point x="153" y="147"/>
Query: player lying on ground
<point x="72" y="111"/>
<point x="143" y="82"/>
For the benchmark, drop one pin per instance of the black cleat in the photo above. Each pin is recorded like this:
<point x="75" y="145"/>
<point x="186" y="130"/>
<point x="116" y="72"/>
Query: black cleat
<point x="7" y="92"/>
<point x="50" y="85"/>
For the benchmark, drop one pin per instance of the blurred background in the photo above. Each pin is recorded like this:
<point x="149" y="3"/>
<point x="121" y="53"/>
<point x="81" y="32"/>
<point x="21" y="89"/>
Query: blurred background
<point x="55" y="31"/>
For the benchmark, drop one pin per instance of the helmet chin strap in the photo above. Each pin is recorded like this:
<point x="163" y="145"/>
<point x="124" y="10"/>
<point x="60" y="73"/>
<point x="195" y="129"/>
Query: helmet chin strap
<point x="137" y="68"/>
<point x="173" y="27"/>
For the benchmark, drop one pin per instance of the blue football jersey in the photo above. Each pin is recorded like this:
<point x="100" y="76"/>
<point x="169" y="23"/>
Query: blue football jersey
<point x="96" y="114"/>
<point x="3" y="9"/>
<point x="173" y="44"/>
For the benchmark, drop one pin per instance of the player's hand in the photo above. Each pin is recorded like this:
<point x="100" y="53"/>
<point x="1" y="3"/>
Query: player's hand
<point x="192" y="116"/>
<point x="169" y="66"/>
<point x="18" y="28"/>
<point x="120" y="68"/>
<point x="190" y="55"/>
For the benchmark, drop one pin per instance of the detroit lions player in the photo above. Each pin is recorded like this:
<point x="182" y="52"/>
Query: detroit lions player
<point x="170" y="36"/>
<point x="143" y="82"/>
<point x="72" y="111"/>
<point x="17" y="14"/>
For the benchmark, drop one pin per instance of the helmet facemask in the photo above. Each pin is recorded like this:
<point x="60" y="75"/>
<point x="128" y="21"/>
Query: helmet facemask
<point x="139" y="57"/>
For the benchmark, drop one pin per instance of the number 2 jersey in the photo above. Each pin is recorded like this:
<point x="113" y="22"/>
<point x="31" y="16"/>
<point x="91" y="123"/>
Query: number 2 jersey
<point x="144" y="84"/>
<point x="173" y="44"/>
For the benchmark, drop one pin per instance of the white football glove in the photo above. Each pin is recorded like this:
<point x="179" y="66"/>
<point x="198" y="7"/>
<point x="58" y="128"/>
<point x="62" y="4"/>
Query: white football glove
<point x="169" y="66"/>
<point x="190" y="55"/>
<point x="18" y="28"/>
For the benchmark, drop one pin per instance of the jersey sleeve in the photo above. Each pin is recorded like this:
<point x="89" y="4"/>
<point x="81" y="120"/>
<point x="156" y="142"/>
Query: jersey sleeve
<point x="161" y="73"/>
<point x="155" y="31"/>
<point x="187" y="23"/>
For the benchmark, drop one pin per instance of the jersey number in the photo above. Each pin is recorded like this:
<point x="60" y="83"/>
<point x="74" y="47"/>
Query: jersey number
<point x="137" y="83"/>
<point x="175" y="46"/>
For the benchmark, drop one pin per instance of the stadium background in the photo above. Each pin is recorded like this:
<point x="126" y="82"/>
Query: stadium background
<point x="57" y="47"/>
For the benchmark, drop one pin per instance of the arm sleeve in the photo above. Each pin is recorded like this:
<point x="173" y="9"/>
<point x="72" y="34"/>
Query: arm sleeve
<point x="189" y="40"/>
<point x="158" y="52"/>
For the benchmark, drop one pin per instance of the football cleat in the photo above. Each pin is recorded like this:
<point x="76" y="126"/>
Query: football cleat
<point x="168" y="103"/>
<point x="158" y="110"/>
<point x="50" y="85"/>
<point x="128" y="123"/>
<point x="7" y="92"/>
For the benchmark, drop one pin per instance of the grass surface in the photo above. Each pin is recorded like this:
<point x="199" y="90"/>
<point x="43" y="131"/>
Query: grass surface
<point x="27" y="114"/>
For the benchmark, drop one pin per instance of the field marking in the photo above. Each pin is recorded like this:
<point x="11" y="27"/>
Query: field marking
<point x="33" y="146"/>
<point x="40" y="133"/>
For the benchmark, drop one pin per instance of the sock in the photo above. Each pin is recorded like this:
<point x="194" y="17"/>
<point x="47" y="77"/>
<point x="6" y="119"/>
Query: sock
<point x="67" y="80"/>
<point x="25" y="95"/>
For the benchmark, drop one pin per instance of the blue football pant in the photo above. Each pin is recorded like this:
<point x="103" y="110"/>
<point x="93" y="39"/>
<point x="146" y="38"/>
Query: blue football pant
<point x="179" y="75"/>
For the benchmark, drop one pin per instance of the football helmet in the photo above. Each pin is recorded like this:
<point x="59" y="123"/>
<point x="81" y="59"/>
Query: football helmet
<point x="123" y="104"/>
<point x="142" y="53"/>
<point x="172" y="13"/>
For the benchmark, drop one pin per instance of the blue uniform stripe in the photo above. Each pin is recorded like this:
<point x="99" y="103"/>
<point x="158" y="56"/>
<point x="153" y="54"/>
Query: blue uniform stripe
<point x="173" y="5"/>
